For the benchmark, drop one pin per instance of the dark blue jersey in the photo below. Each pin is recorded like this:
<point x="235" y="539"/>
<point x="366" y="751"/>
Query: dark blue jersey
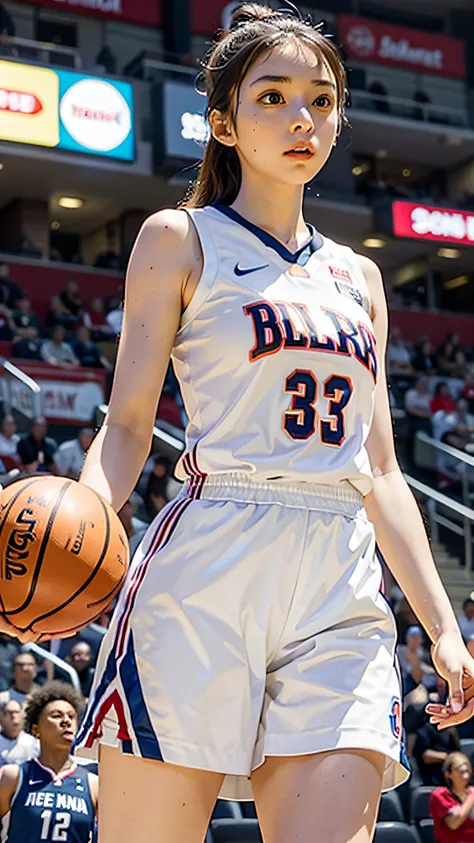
<point x="45" y="807"/>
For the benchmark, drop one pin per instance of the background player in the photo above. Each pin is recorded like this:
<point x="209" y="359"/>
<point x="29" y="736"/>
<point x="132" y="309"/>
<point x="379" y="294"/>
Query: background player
<point x="251" y="638"/>
<point x="51" y="798"/>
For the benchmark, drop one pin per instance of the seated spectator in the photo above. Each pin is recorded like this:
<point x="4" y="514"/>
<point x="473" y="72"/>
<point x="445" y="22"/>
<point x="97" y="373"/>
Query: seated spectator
<point x="8" y="438"/>
<point x="66" y="308"/>
<point x="446" y="357"/>
<point x="452" y="806"/>
<point x="96" y="320"/>
<point x="16" y="745"/>
<point x="7" y="25"/>
<point x="134" y="527"/>
<point x="415" y="669"/>
<point x="431" y="749"/>
<point x="115" y="315"/>
<point x="460" y="427"/>
<point x="87" y="352"/>
<point x="424" y="360"/>
<point x="468" y="391"/>
<point x="7" y="325"/>
<point x="10" y="292"/>
<point x="156" y="495"/>
<point x="38" y="448"/>
<point x="466" y="618"/>
<point x="24" y="675"/>
<point x="9" y="648"/>
<point x="81" y="660"/>
<point x="28" y="347"/>
<point x="418" y="407"/>
<point x="442" y="399"/>
<point x="24" y="317"/>
<point x="110" y="259"/>
<point x="106" y="60"/>
<point x="398" y="356"/>
<point x="56" y="352"/>
<point x="69" y="457"/>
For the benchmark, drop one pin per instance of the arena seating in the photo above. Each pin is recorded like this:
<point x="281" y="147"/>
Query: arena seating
<point x="390" y="808"/>
<point x="396" y="833"/>
<point x="234" y="831"/>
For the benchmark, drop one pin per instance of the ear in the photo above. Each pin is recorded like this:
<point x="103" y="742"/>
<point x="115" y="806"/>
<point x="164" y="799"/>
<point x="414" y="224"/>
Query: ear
<point x="220" y="128"/>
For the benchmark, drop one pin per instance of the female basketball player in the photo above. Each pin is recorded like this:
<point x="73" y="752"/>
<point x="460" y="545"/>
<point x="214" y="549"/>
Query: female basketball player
<point x="49" y="798"/>
<point x="251" y="639"/>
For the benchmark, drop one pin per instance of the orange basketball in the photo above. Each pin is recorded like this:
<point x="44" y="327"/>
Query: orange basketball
<point x="63" y="557"/>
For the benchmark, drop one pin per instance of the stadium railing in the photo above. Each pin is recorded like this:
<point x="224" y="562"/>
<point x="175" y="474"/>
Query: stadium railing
<point x="12" y="47"/>
<point x="26" y="405"/>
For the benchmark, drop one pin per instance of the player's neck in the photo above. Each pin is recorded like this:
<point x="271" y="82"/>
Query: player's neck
<point x="276" y="209"/>
<point x="56" y="760"/>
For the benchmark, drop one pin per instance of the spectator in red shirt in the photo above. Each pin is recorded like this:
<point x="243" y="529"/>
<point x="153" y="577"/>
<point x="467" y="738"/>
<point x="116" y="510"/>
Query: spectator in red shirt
<point x="468" y="392"/>
<point x="442" y="399"/>
<point x="452" y="807"/>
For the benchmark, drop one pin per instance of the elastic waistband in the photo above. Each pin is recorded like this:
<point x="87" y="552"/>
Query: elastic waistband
<point x="343" y="499"/>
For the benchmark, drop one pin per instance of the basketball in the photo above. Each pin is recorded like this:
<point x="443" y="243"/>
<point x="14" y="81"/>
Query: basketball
<point x="63" y="557"/>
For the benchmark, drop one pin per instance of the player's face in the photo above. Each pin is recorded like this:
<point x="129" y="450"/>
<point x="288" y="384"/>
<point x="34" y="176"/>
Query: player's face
<point x="287" y="99"/>
<point x="57" y="724"/>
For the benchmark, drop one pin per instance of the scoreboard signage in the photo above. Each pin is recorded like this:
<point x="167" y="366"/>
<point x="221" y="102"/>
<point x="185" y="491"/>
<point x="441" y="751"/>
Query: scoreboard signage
<point x="382" y="43"/>
<point x="66" y="110"/>
<point x="424" y="222"/>
<point x="140" y="12"/>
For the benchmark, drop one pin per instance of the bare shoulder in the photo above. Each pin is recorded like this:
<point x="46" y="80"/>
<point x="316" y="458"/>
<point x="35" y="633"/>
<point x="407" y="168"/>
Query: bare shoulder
<point x="9" y="775"/>
<point x="171" y="232"/>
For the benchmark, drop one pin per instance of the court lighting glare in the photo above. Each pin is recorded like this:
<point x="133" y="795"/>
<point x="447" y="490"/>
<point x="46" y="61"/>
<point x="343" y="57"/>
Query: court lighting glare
<point x="406" y="173"/>
<point x="449" y="253"/>
<point x="71" y="202"/>
<point x="454" y="283"/>
<point x="1" y="165"/>
<point x="374" y="243"/>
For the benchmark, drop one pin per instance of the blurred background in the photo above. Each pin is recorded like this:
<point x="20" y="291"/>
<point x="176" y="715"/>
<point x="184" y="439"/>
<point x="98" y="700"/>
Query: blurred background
<point x="100" y="125"/>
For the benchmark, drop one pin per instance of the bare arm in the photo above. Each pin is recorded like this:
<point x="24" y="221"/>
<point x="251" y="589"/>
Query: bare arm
<point x="398" y="525"/>
<point x="456" y="820"/>
<point x="8" y="784"/>
<point x="433" y="756"/>
<point x="162" y="260"/>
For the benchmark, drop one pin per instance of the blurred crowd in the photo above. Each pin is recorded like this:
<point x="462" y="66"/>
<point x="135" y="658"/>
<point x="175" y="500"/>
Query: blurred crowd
<point x="435" y="388"/>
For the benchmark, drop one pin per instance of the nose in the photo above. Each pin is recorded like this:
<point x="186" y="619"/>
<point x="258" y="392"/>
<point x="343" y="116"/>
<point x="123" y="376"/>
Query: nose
<point x="302" y="121"/>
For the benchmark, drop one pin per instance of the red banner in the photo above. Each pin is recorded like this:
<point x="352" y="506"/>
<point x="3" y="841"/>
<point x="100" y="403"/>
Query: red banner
<point x="423" y="222"/>
<point x="140" y="12"/>
<point x="69" y="396"/>
<point x="412" y="49"/>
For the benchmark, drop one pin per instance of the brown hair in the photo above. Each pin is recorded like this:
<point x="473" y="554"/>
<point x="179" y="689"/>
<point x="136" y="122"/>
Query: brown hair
<point x="255" y="29"/>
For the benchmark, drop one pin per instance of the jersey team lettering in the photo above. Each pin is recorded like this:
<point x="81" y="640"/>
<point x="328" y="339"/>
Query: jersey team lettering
<point x="275" y="328"/>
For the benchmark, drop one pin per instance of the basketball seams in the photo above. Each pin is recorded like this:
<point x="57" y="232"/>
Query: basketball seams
<point x="44" y="543"/>
<point x="87" y="582"/>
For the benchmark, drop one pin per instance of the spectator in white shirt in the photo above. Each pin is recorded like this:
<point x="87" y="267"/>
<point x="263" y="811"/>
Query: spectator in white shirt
<point x="24" y="675"/>
<point x="15" y="745"/>
<point x="115" y="315"/>
<point x="8" y="438"/>
<point x="70" y="455"/>
<point x="418" y="400"/>
<point x="466" y="619"/>
<point x="398" y="356"/>
<point x="56" y="352"/>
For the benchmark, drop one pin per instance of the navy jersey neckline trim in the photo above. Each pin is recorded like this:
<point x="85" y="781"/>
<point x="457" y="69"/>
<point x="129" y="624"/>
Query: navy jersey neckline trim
<point x="301" y="256"/>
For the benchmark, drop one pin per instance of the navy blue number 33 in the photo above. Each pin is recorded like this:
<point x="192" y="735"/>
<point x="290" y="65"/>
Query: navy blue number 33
<point x="300" y="421"/>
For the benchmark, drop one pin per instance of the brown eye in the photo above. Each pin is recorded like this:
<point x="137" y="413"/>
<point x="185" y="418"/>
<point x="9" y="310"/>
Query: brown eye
<point x="323" y="101"/>
<point x="274" y="98"/>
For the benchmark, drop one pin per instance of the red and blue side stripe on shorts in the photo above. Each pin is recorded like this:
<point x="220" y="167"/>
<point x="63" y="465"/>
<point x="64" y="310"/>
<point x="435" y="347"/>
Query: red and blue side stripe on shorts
<point x="121" y="658"/>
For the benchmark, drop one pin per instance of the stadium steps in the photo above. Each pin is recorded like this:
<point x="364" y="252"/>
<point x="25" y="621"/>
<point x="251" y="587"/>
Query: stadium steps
<point x="457" y="580"/>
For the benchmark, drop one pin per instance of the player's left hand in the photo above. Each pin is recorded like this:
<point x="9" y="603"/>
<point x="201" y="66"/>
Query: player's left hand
<point x="453" y="662"/>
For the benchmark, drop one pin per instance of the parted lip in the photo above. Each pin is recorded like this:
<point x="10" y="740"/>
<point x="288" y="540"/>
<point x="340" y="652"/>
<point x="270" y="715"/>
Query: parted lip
<point x="306" y="145"/>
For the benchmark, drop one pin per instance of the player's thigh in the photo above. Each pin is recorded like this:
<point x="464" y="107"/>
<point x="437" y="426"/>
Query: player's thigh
<point x="144" y="801"/>
<point x="333" y="794"/>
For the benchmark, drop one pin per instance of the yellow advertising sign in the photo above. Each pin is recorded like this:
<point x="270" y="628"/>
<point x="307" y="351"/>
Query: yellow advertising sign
<point x="29" y="104"/>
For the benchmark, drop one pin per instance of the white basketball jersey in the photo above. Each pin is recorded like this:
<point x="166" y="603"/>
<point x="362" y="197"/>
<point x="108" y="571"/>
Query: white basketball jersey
<point x="276" y="358"/>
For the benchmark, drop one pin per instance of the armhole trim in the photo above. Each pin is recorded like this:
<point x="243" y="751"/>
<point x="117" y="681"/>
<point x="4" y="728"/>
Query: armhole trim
<point x="209" y="269"/>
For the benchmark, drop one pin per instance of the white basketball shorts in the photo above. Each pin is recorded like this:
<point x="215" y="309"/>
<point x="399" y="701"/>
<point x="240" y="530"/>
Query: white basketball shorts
<point x="251" y="624"/>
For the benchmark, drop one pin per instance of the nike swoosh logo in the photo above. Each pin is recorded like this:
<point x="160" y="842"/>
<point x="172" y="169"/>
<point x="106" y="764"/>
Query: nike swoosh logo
<point x="239" y="271"/>
<point x="39" y="781"/>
